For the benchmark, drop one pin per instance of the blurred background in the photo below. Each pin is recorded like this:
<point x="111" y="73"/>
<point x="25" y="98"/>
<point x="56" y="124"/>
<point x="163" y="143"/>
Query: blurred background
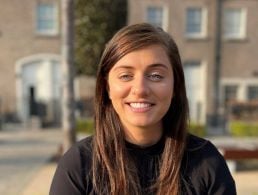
<point x="49" y="53"/>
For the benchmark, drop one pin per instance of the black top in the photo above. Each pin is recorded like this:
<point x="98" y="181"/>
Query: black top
<point x="203" y="169"/>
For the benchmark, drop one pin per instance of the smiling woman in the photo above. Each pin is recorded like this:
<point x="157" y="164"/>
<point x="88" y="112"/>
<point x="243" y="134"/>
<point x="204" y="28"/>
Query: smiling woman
<point x="141" y="144"/>
<point x="140" y="88"/>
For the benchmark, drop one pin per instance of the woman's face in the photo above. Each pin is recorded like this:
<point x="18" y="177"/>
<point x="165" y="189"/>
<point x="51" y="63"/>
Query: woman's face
<point x="140" y="87"/>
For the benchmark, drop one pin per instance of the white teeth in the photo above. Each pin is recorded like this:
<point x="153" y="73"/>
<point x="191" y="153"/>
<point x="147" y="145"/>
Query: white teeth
<point x="140" y="105"/>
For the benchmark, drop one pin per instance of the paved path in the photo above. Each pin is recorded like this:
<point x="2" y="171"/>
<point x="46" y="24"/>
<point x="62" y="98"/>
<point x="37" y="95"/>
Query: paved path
<point x="246" y="182"/>
<point x="22" y="155"/>
<point x="40" y="184"/>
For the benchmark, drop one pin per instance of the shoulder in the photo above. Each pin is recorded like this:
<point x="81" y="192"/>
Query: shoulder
<point x="72" y="173"/>
<point x="78" y="155"/>
<point x="194" y="143"/>
<point x="205" y="167"/>
<point x="203" y="152"/>
<point x="201" y="146"/>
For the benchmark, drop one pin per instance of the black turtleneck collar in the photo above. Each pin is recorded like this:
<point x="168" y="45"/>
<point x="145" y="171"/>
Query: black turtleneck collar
<point x="152" y="150"/>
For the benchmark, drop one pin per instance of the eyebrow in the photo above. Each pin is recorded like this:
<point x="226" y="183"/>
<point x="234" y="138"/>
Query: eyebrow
<point x="158" y="65"/>
<point x="149" y="66"/>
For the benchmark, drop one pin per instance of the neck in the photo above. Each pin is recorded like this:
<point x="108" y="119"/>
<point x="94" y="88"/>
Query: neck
<point x="143" y="136"/>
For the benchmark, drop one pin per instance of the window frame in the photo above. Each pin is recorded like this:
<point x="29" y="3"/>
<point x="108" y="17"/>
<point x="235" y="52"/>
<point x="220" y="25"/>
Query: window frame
<point x="243" y="21"/>
<point x="164" y="19"/>
<point x="47" y="32"/>
<point x="251" y="88"/>
<point x="227" y="95"/>
<point x="204" y="22"/>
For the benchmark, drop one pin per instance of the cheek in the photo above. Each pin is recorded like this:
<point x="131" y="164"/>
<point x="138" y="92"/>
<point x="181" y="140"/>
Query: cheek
<point x="165" y="92"/>
<point x="118" y="91"/>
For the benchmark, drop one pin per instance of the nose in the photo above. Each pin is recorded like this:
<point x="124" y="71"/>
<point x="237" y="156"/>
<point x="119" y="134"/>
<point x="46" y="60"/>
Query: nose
<point x="140" y="87"/>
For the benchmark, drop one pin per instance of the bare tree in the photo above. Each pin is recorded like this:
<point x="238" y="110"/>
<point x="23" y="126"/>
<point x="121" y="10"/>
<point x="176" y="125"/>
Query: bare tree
<point x="68" y="117"/>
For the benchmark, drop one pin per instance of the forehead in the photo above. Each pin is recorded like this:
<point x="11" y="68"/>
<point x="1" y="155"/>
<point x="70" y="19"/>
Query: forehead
<point x="152" y="56"/>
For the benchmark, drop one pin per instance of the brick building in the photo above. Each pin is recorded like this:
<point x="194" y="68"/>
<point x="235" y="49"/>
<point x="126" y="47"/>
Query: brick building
<point x="29" y="58"/>
<point x="218" y="42"/>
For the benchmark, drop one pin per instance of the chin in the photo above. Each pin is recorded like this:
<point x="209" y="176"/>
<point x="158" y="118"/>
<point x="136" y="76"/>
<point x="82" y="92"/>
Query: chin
<point x="143" y="124"/>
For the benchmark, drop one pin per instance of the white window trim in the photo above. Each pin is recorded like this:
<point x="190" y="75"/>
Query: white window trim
<point x="242" y="34"/>
<point x="204" y="24"/>
<point x="165" y="14"/>
<point x="204" y="68"/>
<point x="53" y="32"/>
<point x="165" y="18"/>
<point x="242" y="86"/>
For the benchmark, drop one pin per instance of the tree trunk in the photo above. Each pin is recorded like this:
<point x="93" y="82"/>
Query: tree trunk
<point x="68" y="117"/>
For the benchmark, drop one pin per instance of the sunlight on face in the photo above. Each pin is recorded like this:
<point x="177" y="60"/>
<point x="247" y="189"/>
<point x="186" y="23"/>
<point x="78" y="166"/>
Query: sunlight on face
<point x="141" y="88"/>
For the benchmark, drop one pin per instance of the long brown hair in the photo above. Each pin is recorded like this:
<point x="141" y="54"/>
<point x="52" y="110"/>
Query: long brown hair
<point x="113" y="172"/>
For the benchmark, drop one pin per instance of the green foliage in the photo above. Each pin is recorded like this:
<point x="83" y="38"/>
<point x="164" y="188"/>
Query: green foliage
<point x="95" y="23"/>
<point x="239" y="128"/>
<point x="197" y="129"/>
<point x="85" y="126"/>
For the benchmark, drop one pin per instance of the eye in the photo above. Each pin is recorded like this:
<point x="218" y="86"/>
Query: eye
<point x="155" y="77"/>
<point x="125" y="77"/>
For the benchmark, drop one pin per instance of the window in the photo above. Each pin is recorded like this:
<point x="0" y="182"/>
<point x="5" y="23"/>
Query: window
<point x="230" y="93"/>
<point x="196" y="22"/>
<point x="47" y="20"/>
<point x="155" y="16"/>
<point x="234" y="23"/>
<point x="253" y="93"/>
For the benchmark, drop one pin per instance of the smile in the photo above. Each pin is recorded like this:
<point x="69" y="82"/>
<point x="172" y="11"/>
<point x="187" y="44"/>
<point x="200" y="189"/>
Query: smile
<point x="140" y="105"/>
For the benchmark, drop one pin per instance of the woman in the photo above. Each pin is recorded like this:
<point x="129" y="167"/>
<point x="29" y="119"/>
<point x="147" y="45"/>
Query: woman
<point x="141" y="145"/>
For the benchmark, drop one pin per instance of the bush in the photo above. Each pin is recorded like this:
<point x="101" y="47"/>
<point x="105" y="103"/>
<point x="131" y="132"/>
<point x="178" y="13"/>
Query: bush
<point x="197" y="129"/>
<point x="85" y="126"/>
<point x="239" y="128"/>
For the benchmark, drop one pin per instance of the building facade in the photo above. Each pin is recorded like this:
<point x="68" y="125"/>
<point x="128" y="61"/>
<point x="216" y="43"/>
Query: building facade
<point x="217" y="40"/>
<point x="30" y="59"/>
